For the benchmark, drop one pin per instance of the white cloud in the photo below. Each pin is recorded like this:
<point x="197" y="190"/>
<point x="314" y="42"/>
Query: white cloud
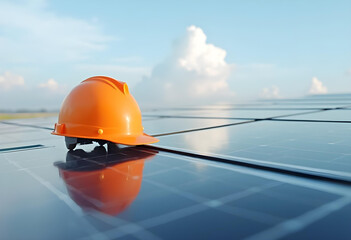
<point x="195" y="72"/>
<point x="9" y="80"/>
<point x="51" y="85"/>
<point x="201" y="57"/>
<point x="16" y="94"/>
<point x="317" y="87"/>
<point x="270" y="93"/>
<point x="53" y="88"/>
<point x="31" y="32"/>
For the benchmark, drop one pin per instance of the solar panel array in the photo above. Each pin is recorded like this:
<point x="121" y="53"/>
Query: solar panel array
<point x="265" y="170"/>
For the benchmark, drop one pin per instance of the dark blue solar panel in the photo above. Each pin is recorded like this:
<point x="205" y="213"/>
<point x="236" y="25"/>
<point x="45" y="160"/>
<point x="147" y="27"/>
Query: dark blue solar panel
<point x="139" y="193"/>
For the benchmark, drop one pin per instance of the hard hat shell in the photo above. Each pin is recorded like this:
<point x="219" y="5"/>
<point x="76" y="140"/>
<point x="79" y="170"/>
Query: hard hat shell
<point x="102" y="108"/>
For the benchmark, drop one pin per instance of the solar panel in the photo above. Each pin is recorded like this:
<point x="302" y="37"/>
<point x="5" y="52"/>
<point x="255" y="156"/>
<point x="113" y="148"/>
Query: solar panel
<point x="318" y="147"/>
<point x="193" y="187"/>
<point x="337" y="115"/>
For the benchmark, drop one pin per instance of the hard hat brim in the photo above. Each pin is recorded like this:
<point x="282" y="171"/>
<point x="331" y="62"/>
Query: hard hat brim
<point x="121" y="139"/>
<point x="134" y="139"/>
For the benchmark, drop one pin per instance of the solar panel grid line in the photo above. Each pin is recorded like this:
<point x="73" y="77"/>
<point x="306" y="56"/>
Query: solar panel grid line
<point x="161" y="171"/>
<point x="22" y="148"/>
<point x="88" y="199"/>
<point x="202" y="206"/>
<point x="256" y="119"/>
<point x="253" y="163"/>
<point x="164" y="219"/>
<point x="283" y="149"/>
<point x="335" y="115"/>
<point x="249" y="214"/>
<point x="154" y="135"/>
<point x="287" y="148"/>
<point x="202" y="129"/>
<point x="245" y="122"/>
<point x="139" y="229"/>
<point x="233" y="108"/>
<point x="293" y="225"/>
<point x="171" y="189"/>
<point x="271" y="144"/>
<point x="285" y="115"/>
<point x="206" y="128"/>
<point x="175" y="215"/>
<point x="127" y="228"/>
<point x="222" y="200"/>
<point x="335" y="173"/>
<point x="343" y="155"/>
<point x="313" y="184"/>
<point x="22" y="141"/>
<point x="90" y="229"/>
<point x="306" y="120"/>
<point x="60" y="195"/>
<point x="305" y="158"/>
<point x="14" y="131"/>
<point x="26" y="125"/>
<point x="33" y="167"/>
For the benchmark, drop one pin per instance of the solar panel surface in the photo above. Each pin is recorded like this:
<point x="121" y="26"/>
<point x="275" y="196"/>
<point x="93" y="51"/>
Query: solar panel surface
<point x="207" y="178"/>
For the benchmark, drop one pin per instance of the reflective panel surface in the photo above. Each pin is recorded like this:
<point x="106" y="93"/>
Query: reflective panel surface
<point x="120" y="192"/>
<point x="316" y="146"/>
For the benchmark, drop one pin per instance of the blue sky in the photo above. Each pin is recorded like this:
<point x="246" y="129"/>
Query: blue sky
<point x="272" y="49"/>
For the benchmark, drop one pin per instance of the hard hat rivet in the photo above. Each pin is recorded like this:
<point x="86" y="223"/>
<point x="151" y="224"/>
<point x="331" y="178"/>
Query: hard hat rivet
<point x="100" y="131"/>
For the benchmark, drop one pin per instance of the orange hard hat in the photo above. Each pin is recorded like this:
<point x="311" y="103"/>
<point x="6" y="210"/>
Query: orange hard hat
<point x="108" y="183"/>
<point x="101" y="109"/>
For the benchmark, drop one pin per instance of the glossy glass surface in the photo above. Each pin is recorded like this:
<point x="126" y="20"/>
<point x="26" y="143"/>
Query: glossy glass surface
<point x="318" y="146"/>
<point x="123" y="192"/>
<point x="170" y="125"/>
<point x="115" y="193"/>
<point x="334" y="115"/>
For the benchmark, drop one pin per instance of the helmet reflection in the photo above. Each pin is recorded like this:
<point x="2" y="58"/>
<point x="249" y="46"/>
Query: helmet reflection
<point x="103" y="181"/>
